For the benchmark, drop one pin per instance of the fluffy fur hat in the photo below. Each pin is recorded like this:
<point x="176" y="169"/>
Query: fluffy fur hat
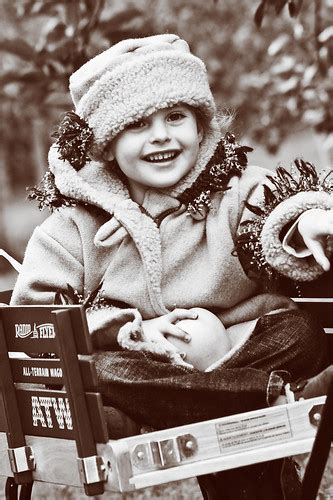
<point x="135" y="78"/>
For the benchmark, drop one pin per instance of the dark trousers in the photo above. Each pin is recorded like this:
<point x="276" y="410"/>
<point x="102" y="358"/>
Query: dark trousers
<point x="161" y="395"/>
<point x="274" y="480"/>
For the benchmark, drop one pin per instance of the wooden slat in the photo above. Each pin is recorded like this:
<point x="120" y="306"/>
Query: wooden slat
<point x="56" y="458"/>
<point x="49" y="372"/>
<point x="3" y="424"/>
<point x="223" y="443"/>
<point x="31" y="328"/>
<point x="10" y="408"/>
<point x="37" y="371"/>
<point x="219" y="464"/>
<point x="50" y="412"/>
<point x="5" y="296"/>
<point x="84" y="425"/>
<point x="95" y="409"/>
<point x="81" y="332"/>
<point x="45" y="413"/>
<point x="322" y="308"/>
<point x="56" y="461"/>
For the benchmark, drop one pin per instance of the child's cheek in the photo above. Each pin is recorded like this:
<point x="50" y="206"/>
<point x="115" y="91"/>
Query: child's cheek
<point x="209" y="339"/>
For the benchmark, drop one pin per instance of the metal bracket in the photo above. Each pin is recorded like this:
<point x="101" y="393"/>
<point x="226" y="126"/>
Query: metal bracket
<point x="21" y="459"/>
<point x="164" y="453"/>
<point x="315" y="414"/>
<point x="92" y="469"/>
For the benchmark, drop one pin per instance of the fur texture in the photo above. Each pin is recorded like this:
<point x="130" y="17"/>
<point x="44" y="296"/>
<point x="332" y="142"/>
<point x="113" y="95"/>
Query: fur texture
<point x="276" y="256"/>
<point x="135" y="78"/>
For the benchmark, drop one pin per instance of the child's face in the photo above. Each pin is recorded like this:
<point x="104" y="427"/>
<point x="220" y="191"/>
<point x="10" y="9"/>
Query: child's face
<point x="159" y="150"/>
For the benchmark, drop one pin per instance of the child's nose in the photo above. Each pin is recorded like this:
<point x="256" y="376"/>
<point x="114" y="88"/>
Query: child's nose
<point x="159" y="131"/>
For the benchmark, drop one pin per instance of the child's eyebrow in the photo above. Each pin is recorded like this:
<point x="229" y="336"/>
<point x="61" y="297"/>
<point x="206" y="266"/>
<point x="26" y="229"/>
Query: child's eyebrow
<point x="177" y="107"/>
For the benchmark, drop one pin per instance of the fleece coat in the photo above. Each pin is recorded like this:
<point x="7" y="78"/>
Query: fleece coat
<point x="156" y="257"/>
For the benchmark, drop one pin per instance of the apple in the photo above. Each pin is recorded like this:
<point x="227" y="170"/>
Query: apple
<point x="209" y="340"/>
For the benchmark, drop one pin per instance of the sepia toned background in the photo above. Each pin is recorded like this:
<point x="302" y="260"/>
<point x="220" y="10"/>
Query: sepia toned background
<point x="270" y="64"/>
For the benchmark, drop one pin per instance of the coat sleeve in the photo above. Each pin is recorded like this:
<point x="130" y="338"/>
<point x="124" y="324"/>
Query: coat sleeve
<point x="269" y="212"/>
<point x="48" y="267"/>
<point x="53" y="263"/>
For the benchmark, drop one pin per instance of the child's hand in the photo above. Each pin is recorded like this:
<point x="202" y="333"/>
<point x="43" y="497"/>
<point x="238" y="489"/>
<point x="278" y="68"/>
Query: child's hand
<point x="314" y="226"/>
<point x="210" y="340"/>
<point x="156" y="329"/>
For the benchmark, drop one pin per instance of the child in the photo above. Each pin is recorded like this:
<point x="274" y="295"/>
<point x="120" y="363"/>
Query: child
<point x="158" y="215"/>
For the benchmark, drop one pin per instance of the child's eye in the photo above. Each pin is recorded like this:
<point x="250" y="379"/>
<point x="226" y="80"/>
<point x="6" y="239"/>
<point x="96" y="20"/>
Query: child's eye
<point x="176" y="116"/>
<point x="135" y="125"/>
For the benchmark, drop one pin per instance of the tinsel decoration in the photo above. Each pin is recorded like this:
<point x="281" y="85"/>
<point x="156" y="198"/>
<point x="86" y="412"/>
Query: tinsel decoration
<point x="284" y="185"/>
<point x="89" y="300"/>
<point x="48" y="195"/>
<point x="74" y="140"/>
<point x="229" y="159"/>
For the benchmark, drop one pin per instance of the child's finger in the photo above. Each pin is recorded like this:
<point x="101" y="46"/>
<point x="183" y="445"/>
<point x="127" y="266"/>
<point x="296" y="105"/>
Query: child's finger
<point x="180" y="361"/>
<point x="318" y="253"/>
<point x="174" y="351"/>
<point x="178" y="356"/>
<point x="175" y="331"/>
<point x="170" y="347"/>
<point x="178" y="314"/>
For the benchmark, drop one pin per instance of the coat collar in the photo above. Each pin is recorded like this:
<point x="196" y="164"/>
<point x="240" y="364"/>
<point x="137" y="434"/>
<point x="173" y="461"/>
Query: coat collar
<point x="99" y="185"/>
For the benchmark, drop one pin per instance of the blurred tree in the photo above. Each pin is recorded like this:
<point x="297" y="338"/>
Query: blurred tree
<point x="297" y="78"/>
<point x="48" y="40"/>
<point x="276" y="79"/>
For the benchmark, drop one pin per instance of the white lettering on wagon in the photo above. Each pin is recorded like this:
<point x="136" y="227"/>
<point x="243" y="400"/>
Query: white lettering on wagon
<point x="40" y="371"/>
<point x="44" y="417"/>
<point x="44" y="331"/>
<point x="56" y="372"/>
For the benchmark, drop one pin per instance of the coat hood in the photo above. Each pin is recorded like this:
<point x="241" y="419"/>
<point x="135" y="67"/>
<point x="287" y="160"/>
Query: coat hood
<point x="97" y="184"/>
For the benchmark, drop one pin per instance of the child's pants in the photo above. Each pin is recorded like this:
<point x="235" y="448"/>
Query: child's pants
<point x="288" y="345"/>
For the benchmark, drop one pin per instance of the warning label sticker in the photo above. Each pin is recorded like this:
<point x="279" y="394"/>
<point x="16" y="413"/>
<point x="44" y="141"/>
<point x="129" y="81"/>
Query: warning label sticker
<point x="246" y="433"/>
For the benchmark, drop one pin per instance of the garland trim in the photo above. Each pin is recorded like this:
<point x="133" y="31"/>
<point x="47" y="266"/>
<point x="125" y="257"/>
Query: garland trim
<point x="229" y="159"/>
<point x="285" y="184"/>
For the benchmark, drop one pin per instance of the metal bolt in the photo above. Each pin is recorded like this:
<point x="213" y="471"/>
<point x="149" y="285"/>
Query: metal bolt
<point x="140" y="455"/>
<point x="189" y="445"/>
<point x="316" y="417"/>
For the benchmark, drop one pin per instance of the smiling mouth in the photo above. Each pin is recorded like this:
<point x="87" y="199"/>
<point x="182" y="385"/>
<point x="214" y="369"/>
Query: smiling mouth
<point x="161" y="157"/>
